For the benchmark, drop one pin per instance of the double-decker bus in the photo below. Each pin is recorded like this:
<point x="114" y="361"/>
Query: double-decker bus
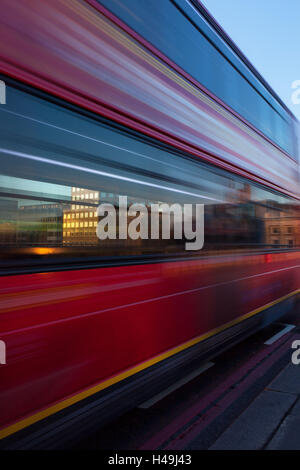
<point x="151" y="100"/>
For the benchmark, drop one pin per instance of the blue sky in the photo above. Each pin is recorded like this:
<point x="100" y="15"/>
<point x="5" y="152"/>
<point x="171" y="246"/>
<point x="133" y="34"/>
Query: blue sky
<point x="268" y="33"/>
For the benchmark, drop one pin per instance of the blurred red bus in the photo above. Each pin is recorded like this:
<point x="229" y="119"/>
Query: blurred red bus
<point x="150" y="100"/>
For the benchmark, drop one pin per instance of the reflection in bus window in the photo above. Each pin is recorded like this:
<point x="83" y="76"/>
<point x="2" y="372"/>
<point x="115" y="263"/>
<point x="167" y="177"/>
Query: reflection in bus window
<point x="63" y="223"/>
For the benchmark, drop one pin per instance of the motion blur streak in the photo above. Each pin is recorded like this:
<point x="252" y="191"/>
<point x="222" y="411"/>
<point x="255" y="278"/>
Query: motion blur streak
<point x="70" y="46"/>
<point x="102" y="173"/>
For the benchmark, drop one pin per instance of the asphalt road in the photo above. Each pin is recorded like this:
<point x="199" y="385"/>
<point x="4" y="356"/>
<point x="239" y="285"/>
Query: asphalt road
<point x="202" y="412"/>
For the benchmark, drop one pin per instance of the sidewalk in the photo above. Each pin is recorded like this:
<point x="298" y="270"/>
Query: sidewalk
<point x="271" y="421"/>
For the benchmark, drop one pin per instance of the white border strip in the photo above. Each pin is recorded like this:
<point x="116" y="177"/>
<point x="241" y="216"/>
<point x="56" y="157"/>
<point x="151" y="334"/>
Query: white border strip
<point x="281" y="333"/>
<point x="175" y="386"/>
